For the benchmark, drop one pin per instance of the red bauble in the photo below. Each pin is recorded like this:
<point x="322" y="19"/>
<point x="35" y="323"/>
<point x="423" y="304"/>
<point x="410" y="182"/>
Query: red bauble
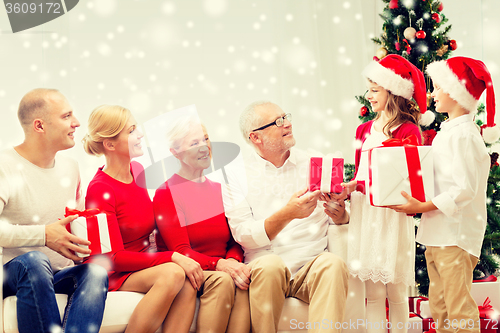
<point x="398" y="46"/>
<point x="393" y="4"/>
<point x="453" y="45"/>
<point x="440" y="8"/>
<point x="364" y="111"/>
<point x="420" y="34"/>
<point x="436" y="17"/>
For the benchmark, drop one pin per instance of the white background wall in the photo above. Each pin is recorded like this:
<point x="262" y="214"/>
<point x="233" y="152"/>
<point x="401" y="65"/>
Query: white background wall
<point x="158" y="55"/>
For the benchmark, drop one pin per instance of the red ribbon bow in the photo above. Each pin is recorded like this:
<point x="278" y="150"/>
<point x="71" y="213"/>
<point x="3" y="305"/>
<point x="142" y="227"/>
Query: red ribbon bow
<point x="82" y="213"/>
<point x="409" y="141"/>
<point x="486" y="310"/>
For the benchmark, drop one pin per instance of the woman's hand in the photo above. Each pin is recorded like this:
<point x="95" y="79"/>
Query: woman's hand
<point x="238" y="271"/>
<point x="192" y="269"/>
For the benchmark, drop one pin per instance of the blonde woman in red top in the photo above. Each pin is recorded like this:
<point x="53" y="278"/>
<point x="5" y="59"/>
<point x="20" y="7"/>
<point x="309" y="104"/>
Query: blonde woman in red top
<point x="191" y="220"/>
<point x="168" y="279"/>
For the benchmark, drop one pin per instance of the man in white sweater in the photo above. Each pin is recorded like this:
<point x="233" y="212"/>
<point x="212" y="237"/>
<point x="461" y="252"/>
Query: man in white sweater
<point x="35" y="188"/>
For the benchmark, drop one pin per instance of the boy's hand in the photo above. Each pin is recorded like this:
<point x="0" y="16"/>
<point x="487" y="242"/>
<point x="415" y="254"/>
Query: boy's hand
<point x="413" y="206"/>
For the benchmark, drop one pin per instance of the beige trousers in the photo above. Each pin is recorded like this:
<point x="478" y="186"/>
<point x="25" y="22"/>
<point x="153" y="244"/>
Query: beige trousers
<point x="223" y="306"/>
<point x="322" y="283"/>
<point x="450" y="271"/>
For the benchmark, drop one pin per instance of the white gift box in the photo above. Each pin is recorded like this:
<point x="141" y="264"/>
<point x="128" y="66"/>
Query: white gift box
<point x="389" y="175"/>
<point x="414" y="325"/>
<point x="481" y="290"/>
<point x="95" y="230"/>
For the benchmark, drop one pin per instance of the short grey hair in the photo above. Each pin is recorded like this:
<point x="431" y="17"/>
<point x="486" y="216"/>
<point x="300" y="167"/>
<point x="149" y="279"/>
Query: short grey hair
<point x="35" y="104"/>
<point x="179" y="128"/>
<point x="249" y="119"/>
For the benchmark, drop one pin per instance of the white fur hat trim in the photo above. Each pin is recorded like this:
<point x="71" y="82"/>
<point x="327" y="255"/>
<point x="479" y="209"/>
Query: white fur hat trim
<point x="444" y="77"/>
<point x="389" y="80"/>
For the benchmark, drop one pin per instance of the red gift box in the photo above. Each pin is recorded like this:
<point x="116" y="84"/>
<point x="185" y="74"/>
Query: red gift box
<point x="428" y="324"/>
<point x="93" y="226"/>
<point x="326" y="174"/>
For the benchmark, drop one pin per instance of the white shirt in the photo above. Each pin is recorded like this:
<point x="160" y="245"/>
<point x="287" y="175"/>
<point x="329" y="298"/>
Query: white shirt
<point x="461" y="168"/>
<point x="256" y="190"/>
<point x="30" y="198"/>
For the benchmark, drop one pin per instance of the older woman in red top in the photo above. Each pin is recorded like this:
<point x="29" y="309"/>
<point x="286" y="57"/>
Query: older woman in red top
<point x="170" y="296"/>
<point x="191" y="220"/>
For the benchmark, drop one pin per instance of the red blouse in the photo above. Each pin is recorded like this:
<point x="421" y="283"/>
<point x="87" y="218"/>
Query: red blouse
<point x="191" y="220"/>
<point x="129" y="206"/>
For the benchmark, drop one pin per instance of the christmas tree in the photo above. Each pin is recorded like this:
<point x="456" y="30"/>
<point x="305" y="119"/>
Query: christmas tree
<point x="418" y="31"/>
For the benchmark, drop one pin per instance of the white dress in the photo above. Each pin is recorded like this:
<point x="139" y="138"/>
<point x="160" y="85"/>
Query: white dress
<point x="381" y="243"/>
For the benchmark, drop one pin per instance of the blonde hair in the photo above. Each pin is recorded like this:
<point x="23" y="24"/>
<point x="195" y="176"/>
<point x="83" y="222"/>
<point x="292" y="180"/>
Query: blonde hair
<point x="400" y="111"/>
<point x="105" y="122"/>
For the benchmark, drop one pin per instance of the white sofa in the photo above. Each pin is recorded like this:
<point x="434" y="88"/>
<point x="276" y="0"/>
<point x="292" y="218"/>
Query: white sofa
<point x="120" y="304"/>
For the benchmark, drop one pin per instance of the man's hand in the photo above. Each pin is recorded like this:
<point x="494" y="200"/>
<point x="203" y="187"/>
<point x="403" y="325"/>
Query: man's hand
<point x="60" y="240"/>
<point x="335" y="208"/>
<point x="192" y="269"/>
<point x="413" y="206"/>
<point x="302" y="203"/>
<point x="238" y="271"/>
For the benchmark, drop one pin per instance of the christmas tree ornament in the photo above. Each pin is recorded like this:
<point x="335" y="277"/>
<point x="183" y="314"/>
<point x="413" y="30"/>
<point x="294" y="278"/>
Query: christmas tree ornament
<point x="420" y="24"/>
<point x="465" y="80"/>
<point x="442" y="50"/>
<point x="393" y="4"/>
<point x="407" y="47"/>
<point x="420" y="34"/>
<point x="363" y="111"/>
<point x="440" y="8"/>
<point x="436" y="17"/>
<point x="381" y="53"/>
<point x="453" y="44"/>
<point x="397" y="45"/>
<point x="410" y="33"/>
<point x="429" y="99"/>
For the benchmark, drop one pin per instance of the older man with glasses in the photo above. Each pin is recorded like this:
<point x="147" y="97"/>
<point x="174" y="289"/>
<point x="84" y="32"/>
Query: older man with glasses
<point x="282" y="227"/>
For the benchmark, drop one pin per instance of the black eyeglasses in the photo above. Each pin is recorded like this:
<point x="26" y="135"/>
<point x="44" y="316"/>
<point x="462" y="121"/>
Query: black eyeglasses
<point x="278" y="122"/>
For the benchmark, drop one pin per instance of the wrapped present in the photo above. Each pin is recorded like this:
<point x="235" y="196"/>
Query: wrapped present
<point x="489" y="325"/>
<point x="326" y="174"/>
<point x="482" y="290"/>
<point x="400" y="165"/>
<point x="414" y="324"/>
<point x="419" y="305"/>
<point x="428" y="324"/>
<point x="92" y="225"/>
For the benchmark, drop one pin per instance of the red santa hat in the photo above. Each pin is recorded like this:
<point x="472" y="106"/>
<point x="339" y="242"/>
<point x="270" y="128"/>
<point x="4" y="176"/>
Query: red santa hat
<point x="401" y="78"/>
<point x="465" y="80"/>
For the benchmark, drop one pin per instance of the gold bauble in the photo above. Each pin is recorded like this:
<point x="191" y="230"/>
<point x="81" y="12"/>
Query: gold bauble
<point x="381" y="52"/>
<point x="429" y="99"/>
<point x="442" y="50"/>
<point x="410" y="33"/>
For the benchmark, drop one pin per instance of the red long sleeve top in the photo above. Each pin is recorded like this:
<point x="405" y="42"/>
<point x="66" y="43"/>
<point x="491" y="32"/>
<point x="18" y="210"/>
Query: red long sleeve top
<point x="191" y="220"/>
<point x="129" y="207"/>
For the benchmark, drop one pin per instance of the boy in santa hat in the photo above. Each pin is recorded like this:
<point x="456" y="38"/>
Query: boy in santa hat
<point x="454" y="221"/>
